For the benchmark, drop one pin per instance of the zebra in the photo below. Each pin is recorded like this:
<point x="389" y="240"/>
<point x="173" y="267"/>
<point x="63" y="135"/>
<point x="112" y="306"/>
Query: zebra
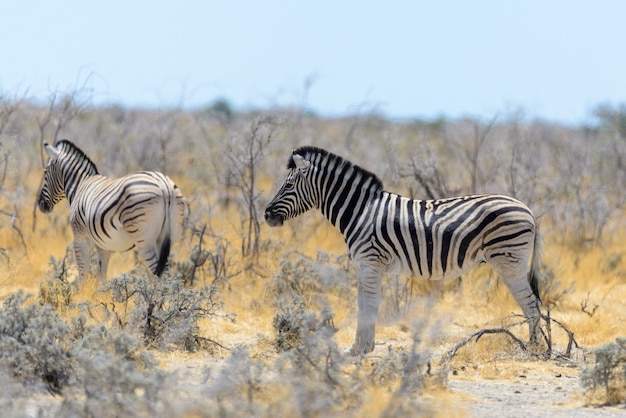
<point x="428" y="239"/>
<point x="143" y="210"/>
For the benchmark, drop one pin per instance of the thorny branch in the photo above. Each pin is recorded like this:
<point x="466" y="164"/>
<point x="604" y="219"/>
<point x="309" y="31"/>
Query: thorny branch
<point x="520" y="343"/>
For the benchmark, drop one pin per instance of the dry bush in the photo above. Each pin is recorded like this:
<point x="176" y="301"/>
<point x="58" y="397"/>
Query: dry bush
<point x="309" y="279"/>
<point x="226" y="164"/>
<point x="35" y="343"/>
<point x="163" y="312"/>
<point x="608" y="373"/>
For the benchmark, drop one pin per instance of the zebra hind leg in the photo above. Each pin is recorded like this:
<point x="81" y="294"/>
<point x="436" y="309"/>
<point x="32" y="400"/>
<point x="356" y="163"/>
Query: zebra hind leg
<point x="104" y="256"/>
<point x="516" y="280"/>
<point x="149" y="257"/>
<point x="81" y="252"/>
<point x="530" y="304"/>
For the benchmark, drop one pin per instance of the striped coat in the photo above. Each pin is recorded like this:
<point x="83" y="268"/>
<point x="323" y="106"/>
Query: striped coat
<point x="430" y="239"/>
<point x="143" y="210"/>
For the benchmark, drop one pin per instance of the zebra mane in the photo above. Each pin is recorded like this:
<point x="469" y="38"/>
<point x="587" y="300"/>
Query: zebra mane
<point x="308" y="151"/>
<point x="68" y="147"/>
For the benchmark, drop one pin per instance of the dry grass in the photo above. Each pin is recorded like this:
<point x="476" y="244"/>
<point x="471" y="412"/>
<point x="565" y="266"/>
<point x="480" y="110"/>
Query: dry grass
<point x="588" y="292"/>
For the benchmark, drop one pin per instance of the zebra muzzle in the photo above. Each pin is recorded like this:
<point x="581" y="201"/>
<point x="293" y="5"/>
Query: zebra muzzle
<point x="273" y="219"/>
<point x="44" y="205"/>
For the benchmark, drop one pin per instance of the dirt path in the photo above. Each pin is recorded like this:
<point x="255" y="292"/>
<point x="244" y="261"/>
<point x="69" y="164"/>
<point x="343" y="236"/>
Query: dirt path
<point x="527" y="397"/>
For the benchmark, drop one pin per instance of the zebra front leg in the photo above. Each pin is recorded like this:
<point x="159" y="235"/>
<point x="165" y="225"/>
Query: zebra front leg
<point x="368" y="302"/>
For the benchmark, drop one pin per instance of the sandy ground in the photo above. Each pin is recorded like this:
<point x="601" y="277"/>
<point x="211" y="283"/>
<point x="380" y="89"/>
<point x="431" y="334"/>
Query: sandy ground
<point x="504" y="388"/>
<point x="526" y="396"/>
<point x="542" y="390"/>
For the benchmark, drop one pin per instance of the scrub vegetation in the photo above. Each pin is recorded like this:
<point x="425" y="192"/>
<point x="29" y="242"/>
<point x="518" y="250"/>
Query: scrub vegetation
<point x="253" y="321"/>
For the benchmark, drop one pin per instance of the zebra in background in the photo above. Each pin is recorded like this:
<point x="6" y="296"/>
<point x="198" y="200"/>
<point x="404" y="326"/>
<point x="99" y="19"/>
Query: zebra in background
<point x="429" y="239"/>
<point x="143" y="210"/>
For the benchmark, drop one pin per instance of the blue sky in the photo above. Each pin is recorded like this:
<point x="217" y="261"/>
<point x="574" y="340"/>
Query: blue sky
<point x="551" y="59"/>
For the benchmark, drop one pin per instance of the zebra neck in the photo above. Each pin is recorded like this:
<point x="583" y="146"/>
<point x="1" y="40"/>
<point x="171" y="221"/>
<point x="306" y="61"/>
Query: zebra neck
<point x="343" y="207"/>
<point x="71" y="184"/>
<point x="70" y="191"/>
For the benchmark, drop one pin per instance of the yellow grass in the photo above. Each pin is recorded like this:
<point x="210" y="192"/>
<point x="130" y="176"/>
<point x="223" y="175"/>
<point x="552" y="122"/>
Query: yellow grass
<point x="455" y="311"/>
<point x="579" y="271"/>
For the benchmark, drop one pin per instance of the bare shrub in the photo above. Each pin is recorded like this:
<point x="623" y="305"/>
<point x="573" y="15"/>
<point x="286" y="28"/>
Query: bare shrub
<point x="406" y="373"/>
<point x="214" y="261"/>
<point x="11" y="214"/>
<point x="55" y="288"/>
<point x="308" y="278"/>
<point x="425" y="171"/>
<point x="114" y="377"/>
<point x="164" y="312"/>
<point x="244" y="156"/>
<point x="314" y="369"/>
<point x="293" y="324"/>
<point x="35" y="343"/>
<point x="551" y="288"/>
<point x="238" y="386"/>
<point x="608" y="373"/>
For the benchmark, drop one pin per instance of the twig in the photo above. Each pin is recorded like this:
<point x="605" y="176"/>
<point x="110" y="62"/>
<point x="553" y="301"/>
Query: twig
<point x="199" y="338"/>
<point x="584" y="305"/>
<point x="197" y="263"/>
<point x="478" y="335"/>
<point x="547" y="334"/>
<point x="570" y="334"/>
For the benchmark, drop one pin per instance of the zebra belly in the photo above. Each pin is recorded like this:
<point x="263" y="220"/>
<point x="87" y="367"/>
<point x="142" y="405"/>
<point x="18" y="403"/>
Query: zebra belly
<point x="401" y="267"/>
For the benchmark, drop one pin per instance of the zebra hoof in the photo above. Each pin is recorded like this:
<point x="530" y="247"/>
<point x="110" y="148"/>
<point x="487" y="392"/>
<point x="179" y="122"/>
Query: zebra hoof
<point x="356" y="351"/>
<point x="352" y="352"/>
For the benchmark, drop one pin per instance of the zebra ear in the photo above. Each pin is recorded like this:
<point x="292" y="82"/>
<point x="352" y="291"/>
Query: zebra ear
<point x="300" y="162"/>
<point x="51" y="150"/>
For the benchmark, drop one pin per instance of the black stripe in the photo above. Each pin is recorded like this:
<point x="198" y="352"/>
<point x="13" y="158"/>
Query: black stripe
<point x="383" y="229"/>
<point x="356" y="214"/>
<point x="507" y="237"/>
<point x="446" y="241"/>
<point x="331" y="192"/>
<point x="487" y="220"/>
<point x="413" y="234"/>
<point x="428" y="234"/>
<point x="345" y="199"/>
<point x="398" y="230"/>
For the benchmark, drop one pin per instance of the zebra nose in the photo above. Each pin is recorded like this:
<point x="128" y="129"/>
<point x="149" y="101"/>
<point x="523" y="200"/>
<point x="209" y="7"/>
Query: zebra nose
<point x="272" y="218"/>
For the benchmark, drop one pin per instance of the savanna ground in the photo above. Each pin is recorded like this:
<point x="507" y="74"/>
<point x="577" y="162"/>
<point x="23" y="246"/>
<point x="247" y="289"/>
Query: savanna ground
<point x="253" y="321"/>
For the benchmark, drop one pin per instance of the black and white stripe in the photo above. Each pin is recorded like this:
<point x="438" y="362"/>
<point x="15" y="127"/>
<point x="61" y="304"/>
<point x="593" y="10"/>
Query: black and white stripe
<point x="143" y="210"/>
<point x="431" y="239"/>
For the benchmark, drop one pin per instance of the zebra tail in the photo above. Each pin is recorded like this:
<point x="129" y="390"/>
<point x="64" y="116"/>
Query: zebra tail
<point x="535" y="264"/>
<point x="164" y="253"/>
<point x="174" y="218"/>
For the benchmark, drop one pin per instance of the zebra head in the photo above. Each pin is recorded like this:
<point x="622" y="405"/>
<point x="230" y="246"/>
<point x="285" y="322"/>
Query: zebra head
<point x="66" y="166"/>
<point x="296" y="194"/>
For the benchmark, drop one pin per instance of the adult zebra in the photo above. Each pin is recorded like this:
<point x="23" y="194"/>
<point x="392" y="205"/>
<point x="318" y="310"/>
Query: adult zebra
<point x="430" y="239"/>
<point x="143" y="210"/>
